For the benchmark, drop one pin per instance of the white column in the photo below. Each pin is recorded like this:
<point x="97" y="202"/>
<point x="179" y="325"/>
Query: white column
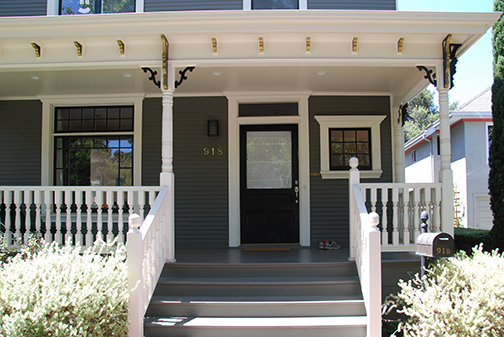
<point x="354" y="179"/>
<point x="446" y="174"/>
<point x="166" y="177"/>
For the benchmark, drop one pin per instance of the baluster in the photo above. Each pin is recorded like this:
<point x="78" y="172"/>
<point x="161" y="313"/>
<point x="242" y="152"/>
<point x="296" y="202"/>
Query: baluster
<point x="417" y="211"/>
<point x="57" y="203"/>
<point x="152" y="198"/>
<point x="120" y="218"/>
<point x="427" y="202"/>
<point x="37" y="198"/>
<point x="406" y="232"/>
<point x="374" y="198"/>
<point x="99" y="211"/>
<point x="395" y="216"/>
<point x="89" y="195"/>
<point x="436" y="221"/>
<point x="7" y="220"/>
<point x="68" y="223"/>
<point x="17" y="219"/>
<point x="28" y="202"/>
<point x="110" y="221"/>
<point x="48" y="222"/>
<point x="384" y="218"/>
<point x="131" y="202"/>
<point x="79" y="235"/>
<point x="141" y="203"/>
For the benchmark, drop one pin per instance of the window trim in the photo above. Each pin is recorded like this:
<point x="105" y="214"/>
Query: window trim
<point x="487" y="141"/>
<point x="247" y="5"/>
<point x="350" y="121"/>
<point x="49" y="103"/>
<point x="53" y="7"/>
<point x="347" y="167"/>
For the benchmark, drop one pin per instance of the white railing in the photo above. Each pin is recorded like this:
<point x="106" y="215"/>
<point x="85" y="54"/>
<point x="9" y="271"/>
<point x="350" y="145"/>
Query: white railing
<point x="400" y="206"/>
<point x="366" y="250"/>
<point x="72" y="214"/>
<point x="150" y="245"/>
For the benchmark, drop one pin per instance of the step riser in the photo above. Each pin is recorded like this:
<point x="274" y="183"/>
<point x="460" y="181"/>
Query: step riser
<point x="256" y="332"/>
<point x="256" y="309"/>
<point x="258" y="290"/>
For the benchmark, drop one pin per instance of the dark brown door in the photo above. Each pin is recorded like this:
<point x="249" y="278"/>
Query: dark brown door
<point x="269" y="184"/>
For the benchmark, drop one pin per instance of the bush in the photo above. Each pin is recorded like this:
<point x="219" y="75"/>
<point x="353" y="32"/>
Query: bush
<point x="468" y="238"/>
<point x="463" y="296"/>
<point x="60" y="292"/>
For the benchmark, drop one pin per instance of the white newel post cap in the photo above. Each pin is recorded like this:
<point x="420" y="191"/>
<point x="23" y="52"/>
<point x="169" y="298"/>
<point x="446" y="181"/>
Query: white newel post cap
<point x="354" y="162"/>
<point x="135" y="221"/>
<point x="374" y="219"/>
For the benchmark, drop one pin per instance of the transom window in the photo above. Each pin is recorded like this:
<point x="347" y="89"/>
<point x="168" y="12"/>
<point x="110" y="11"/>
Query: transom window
<point x="69" y="7"/>
<point x="275" y="4"/>
<point x="348" y="143"/>
<point x="94" y="146"/>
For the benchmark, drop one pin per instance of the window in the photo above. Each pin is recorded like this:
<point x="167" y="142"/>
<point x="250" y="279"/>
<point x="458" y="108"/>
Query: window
<point x="94" y="146"/>
<point x="489" y="129"/>
<point x="69" y="7"/>
<point x="413" y="156"/>
<point x="362" y="139"/>
<point x="348" y="143"/>
<point x="275" y="4"/>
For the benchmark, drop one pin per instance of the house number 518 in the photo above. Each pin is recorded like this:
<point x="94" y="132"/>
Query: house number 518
<point x="212" y="151"/>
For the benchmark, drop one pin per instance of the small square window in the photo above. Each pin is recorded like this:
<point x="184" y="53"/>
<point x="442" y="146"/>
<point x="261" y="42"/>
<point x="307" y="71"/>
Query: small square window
<point x="347" y="143"/>
<point x="275" y="4"/>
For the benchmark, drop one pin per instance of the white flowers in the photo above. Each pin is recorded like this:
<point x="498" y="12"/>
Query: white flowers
<point x="63" y="292"/>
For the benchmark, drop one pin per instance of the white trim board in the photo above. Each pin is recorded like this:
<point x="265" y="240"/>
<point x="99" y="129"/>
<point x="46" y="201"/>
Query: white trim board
<point x="234" y="122"/>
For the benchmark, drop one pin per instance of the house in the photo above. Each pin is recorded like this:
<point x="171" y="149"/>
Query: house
<point x="220" y="124"/>
<point x="470" y="126"/>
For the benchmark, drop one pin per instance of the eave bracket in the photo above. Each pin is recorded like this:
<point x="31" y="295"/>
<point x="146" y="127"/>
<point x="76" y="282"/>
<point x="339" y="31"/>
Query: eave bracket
<point x="428" y="75"/>
<point x="183" y="76"/>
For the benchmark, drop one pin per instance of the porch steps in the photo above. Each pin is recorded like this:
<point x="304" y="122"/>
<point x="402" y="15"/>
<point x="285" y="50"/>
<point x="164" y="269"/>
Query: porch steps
<point x="271" y="300"/>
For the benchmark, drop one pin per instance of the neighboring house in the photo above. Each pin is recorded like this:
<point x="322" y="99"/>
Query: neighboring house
<point x="231" y="121"/>
<point x="470" y="125"/>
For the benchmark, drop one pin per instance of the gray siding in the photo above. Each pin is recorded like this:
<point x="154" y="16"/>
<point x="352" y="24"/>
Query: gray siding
<point x="201" y="181"/>
<point x="23" y="7"/>
<point x="352" y="4"/>
<point x="458" y="143"/>
<point x="329" y="197"/>
<point x="151" y="141"/>
<point x="20" y="141"/>
<point x="191" y="5"/>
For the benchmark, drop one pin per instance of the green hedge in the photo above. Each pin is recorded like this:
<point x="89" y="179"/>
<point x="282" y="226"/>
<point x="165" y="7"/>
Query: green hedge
<point x="467" y="238"/>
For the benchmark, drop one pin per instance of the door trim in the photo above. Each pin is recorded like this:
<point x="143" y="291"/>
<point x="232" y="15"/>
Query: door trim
<point x="234" y="122"/>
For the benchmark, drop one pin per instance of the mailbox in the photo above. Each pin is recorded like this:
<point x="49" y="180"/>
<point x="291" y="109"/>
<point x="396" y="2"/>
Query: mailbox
<point x="435" y="245"/>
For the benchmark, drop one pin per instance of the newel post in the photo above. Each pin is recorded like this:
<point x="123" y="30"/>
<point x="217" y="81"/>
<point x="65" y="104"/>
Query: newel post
<point x="135" y="254"/>
<point x="354" y="178"/>
<point x="374" y="266"/>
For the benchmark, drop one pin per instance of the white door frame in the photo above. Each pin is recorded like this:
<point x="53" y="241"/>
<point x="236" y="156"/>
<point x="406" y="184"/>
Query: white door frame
<point x="234" y="122"/>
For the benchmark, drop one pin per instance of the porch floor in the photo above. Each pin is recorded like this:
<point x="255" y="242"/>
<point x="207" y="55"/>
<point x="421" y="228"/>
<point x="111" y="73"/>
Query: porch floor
<point x="297" y="254"/>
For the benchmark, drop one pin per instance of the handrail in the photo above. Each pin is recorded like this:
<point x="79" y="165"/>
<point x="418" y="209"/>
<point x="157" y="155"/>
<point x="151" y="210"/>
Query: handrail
<point x="149" y="247"/>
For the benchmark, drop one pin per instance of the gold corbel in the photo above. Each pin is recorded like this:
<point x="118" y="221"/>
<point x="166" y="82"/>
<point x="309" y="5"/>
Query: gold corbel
<point x="400" y="45"/>
<point x="79" y="48"/>
<point x="166" y="47"/>
<point x="446" y="60"/>
<point x="121" y="46"/>
<point x="354" y="44"/>
<point x="308" y="44"/>
<point x="37" y="49"/>
<point x="214" y="45"/>
<point x="261" y="44"/>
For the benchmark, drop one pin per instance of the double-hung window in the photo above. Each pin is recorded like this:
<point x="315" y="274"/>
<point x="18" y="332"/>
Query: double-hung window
<point x="93" y="146"/>
<point x="69" y="7"/>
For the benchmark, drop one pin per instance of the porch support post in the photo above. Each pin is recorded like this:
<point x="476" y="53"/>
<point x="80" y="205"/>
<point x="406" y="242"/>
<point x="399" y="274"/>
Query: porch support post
<point x="446" y="174"/>
<point x="398" y="141"/>
<point x="354" y="179"/>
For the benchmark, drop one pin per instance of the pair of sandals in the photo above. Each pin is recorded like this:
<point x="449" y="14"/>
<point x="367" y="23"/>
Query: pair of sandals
<point x="329" y="245"/>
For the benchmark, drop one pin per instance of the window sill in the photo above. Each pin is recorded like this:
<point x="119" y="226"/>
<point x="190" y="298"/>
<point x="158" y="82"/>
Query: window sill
<point x="368" y="174"/>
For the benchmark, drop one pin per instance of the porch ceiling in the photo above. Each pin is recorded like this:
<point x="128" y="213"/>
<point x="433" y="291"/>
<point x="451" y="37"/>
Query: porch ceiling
<point x="287" y="61"/>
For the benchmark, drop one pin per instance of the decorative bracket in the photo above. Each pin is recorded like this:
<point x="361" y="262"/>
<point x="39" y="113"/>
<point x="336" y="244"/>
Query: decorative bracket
<point x="261" y="44"/>
<point x="403" y="114"/>
<point x="400" y="44"/>
<point x="214" y="44"/>
<point x="428" y="75"/>
<point x="449" y="60"/>
<point x="354" y="44"/>
<point x="166" y="47"/>
<point x="152" y="77"/>
<point x="79" y="48"/>
<point x="183" y="75"/>
<point x="37" y="49"/>
<point x="308" y="44"/>
<point x="121" y="46"/>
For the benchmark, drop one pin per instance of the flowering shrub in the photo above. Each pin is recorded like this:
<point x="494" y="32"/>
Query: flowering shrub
<point x="463" y="296"/>
<point x="60" y="291"/>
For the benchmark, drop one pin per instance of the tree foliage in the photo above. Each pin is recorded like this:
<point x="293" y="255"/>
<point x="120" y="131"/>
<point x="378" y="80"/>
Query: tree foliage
<point x="496" y="176"/>
<point x="422" y="112"/>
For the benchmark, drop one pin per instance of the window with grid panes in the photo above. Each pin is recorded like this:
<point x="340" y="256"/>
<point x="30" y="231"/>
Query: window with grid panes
<point x="347" y="143"/>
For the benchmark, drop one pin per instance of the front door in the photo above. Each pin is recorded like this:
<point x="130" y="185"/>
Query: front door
<point x="269" y="184"/>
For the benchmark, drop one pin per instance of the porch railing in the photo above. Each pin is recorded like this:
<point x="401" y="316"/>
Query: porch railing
<point x="399" y="206"/>
<point x="366" y="251"/>
<point x="75" y="213"/>
<point x="150" y="245"/>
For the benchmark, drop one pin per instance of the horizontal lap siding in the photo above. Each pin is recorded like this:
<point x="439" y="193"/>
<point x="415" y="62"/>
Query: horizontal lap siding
<point x="201" y="181"/>
<point x="151" y="141"/>
<point x="23" y="7"/>
<point x="329" y="197"/>
<point x="191" y="5"/>
<point x="20" y="142"/>
<point x="352" y="4"/>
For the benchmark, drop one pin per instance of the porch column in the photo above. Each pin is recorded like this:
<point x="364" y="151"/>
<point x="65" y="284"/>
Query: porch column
<point x="398" y="141"/>
<point x="446" y="174"/>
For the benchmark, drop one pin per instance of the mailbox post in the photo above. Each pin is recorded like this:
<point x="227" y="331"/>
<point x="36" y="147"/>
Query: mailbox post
<point x="433" y="245"/>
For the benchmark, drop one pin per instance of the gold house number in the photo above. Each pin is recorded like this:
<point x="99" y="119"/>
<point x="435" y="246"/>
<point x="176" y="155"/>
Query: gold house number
<point x="212" y="151"/>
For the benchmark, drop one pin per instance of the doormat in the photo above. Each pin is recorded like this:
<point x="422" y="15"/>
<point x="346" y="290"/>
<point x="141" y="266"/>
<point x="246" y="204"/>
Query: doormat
<point x="269" y="249"/>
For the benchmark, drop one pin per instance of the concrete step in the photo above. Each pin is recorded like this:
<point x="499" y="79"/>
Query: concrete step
<point x="348" y="326"/>
<point x="165" y="306"/>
